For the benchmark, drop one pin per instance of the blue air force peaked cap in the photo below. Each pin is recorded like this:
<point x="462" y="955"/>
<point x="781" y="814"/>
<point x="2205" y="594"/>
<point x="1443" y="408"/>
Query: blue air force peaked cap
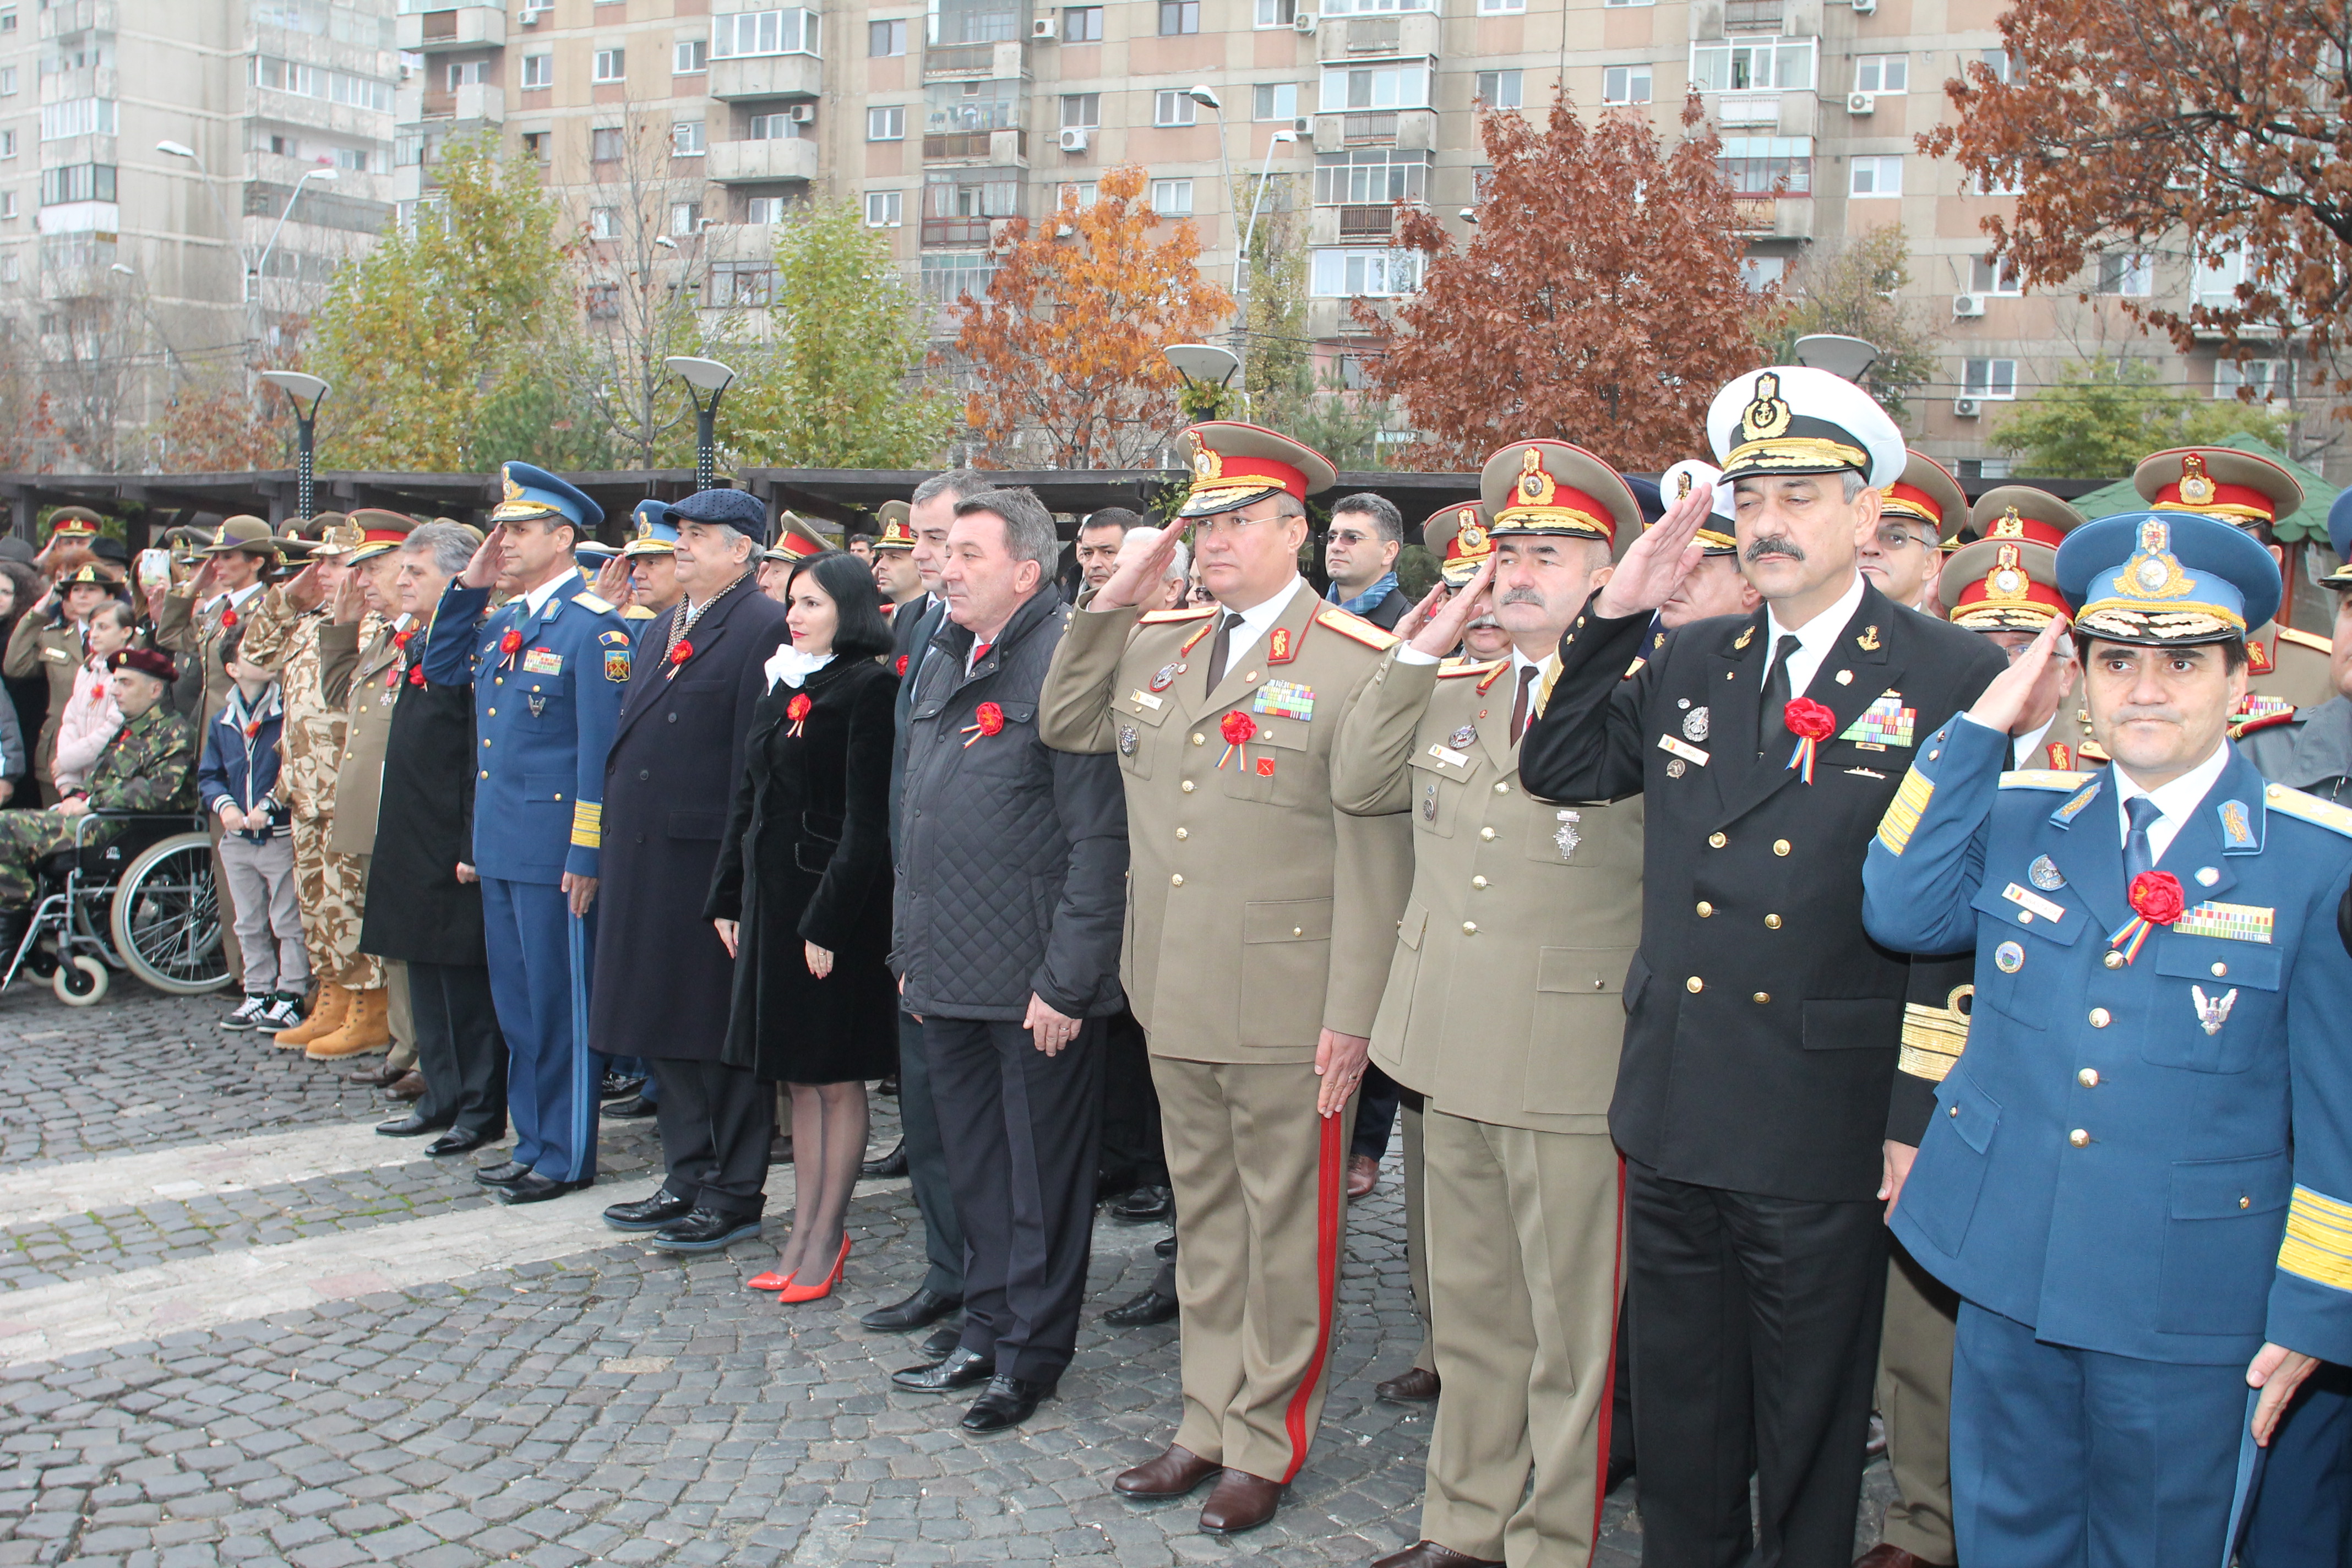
<point x="527" y="492"/>
<point x="738" y="510"/>
<point x="2339" y="539"/>
<point x="654" y="533"/>
<point x="2166" y="579"/>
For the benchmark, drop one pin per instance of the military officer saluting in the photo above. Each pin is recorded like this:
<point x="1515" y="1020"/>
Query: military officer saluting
<point x="1761" y="1023"/>
<point x="1261" y="918"/>
<point x="2311" y="749"/>
<point x="548" y="670"/>
<point x="2152" y="1089"/>
<point x="1504" y="1010"/>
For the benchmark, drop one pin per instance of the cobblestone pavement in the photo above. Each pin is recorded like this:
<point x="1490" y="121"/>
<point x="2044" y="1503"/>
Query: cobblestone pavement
<point x="611" y="1405"/>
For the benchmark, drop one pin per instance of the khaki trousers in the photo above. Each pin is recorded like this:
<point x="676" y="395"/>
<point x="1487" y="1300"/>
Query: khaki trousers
<point x="1915" y="1401"/>
<point x="1526" y="1238"/>
<point x="1261" y="1224"/>
<point x="1416" y="1231"/>
<point x="400" y="1017"/>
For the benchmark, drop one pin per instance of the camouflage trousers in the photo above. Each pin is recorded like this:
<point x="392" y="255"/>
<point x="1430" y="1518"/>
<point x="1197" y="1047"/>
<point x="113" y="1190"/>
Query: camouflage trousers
<point x="330" y="888"/>
<point x="24" y="837"/>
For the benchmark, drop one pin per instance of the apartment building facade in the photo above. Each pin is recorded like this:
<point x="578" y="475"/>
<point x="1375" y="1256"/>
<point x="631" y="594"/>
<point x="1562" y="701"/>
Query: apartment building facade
<point x="943" y="120"/>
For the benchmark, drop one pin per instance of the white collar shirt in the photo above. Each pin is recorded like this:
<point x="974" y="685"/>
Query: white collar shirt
<point x="1815" y="638"/>
<point x="535" y="602"/>
<point x="2176" y="800"/>
<point x="1256" y="621"/>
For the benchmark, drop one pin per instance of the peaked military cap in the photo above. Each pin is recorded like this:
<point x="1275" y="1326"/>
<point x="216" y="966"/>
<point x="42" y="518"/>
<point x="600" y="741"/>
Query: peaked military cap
<point x="2220" y="481"/>
<point x="1719" y="535"/>
<point x="2166" y="579"/>
<point x="898" y="523"/>
<point x="1458" y="536"/>
<point x="527" y="492"/>
<point x="2019" y="512"/>
<point x="1795" y="419"/>
<point x="379" y="531"/>
<point x="1925" y="494"/>
<point x="1551" y="487"/>
<point x="1235" y="464"/>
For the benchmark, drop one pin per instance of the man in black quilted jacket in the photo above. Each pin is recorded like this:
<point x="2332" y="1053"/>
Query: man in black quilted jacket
<point x="1010" y="904"/>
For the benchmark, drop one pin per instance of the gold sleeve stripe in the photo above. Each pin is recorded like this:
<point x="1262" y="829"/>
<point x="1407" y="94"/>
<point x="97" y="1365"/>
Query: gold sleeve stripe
<point x="1903" y="812"/>
<point x="1933" y="1039"/>
<point x="588" y="824"/>
<point x="2318" y="1245"/>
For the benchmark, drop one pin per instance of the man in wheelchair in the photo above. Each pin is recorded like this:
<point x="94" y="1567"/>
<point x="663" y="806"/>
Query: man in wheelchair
<point x="149" y="765"/>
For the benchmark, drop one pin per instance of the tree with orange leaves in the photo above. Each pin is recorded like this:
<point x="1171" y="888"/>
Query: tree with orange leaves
<point x="2141" y="124"/>
<point x="1599" y="299"/>
<point x="1066" y="344"/>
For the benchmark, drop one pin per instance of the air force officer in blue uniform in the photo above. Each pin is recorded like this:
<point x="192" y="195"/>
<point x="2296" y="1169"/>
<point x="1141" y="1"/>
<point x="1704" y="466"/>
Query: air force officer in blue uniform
<point x="547" y="668"/>
<point x="2138" y="1176"/>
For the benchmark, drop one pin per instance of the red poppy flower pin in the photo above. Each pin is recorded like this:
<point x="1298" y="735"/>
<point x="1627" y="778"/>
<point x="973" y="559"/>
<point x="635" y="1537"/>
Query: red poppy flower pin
<point x="1237" y="728"/>
<point x="1812" y="723"/>
<point x="2156" y="900"/>
<point x="797" y="709"/>
<point x="988" y="718"/>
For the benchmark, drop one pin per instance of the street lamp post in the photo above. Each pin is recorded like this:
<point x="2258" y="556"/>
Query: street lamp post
<point x="305" y="393"/>
<point x="1838" y="354"/>
<point x="1241" y="264"/>
<point x="249" y="283"/>
<point x="702" y="376"/>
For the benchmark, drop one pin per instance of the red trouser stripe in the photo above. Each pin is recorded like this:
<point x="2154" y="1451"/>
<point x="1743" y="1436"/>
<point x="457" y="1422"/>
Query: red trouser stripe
<point x="1608" y="1383"/>
<point x="1330" y="1189"/>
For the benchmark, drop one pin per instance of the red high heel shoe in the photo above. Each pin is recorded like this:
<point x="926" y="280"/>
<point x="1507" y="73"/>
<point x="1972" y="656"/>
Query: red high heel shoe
<point x="770" y="1280"/>
<point x="813" y="1293"/>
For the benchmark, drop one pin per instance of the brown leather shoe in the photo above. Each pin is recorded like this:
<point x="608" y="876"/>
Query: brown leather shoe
<point x="1885" y="1556"/>
<point x="1414" y="1386"/>
<point x="380" y="1076"/>
<point x="1429" y="1554"/>
<point x="409" y="1085"/>
<point x="1174" y="1474"/>
<point x="1242" y="1501"/>
<point x="1363" y="1175"/>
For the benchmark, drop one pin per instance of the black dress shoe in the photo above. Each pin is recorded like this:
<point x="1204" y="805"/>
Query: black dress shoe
<point x="940" y="1340"/>
<point x="648" y="1214"/>
<point x="923" y="1308"/>
<point x="409" y="1126"/>
<point x="1165" y="1247"/>
<point x="636" y="1108"/>
<point x="618" y="1086"/>
<point x="962" y="1369"/>
<point x="889" y="1166"/>
<point x="455" y="1144"/>
<point x="1009" y="1402"/>
<point x="378" y="1076"/>
<point x="533" y="1188"/>
<point x="889" y="1086"/>
<point x="705" y="1230"/>
<point x="500" y="1175"/>
<point x="1150" y="1308"/>
<point x="1144" y="1204"/>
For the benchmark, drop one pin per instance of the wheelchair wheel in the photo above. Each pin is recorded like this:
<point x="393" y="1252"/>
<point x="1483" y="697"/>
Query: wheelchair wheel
<point x="165" y="917"/>
<point x="81" y="983"/>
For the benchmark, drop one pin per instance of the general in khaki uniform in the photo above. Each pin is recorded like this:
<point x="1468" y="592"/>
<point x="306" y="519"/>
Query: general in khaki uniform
<point x="56" y="642"/>
<point x="1506" y="1010"/>
<point x="1259" y="915"/>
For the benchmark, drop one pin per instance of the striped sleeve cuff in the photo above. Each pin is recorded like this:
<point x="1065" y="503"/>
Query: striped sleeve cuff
<point x="1903" y="812"/>
<point x="2318" y="1245"/>
<point x="587" y="824"/>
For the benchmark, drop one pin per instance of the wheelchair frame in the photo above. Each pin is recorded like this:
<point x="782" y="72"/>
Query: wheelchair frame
<point x="158" y="917"/>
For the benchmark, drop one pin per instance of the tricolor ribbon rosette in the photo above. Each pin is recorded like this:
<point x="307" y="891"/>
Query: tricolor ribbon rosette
<point x="988" y="718"/>
<point x="415" y="675"/>
<point x="680" y="655"/>
<point x="796" y="711"/>
<point x="2156" y="900"/>
<point x="510" y="645"/>
<point x="229" y="618"/>
<point x="1237" y="729"/>
<point x="1812" y="723"/>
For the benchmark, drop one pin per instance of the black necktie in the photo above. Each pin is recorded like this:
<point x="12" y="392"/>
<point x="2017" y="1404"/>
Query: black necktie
<point x="2138" y="855"/>
<point x="1519" y="703"/>
<point x="1772" y="724"/>
<point x="1221" y="645"/>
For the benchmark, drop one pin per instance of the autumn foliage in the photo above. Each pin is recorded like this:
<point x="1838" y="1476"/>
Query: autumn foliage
<point x="1599" y="299"/>
<point x="2145" y="124"/>
<point x="1066" y="341"/>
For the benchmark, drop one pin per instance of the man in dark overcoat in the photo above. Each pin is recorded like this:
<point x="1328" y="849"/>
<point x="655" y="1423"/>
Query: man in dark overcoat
<point x="663" y="977"/>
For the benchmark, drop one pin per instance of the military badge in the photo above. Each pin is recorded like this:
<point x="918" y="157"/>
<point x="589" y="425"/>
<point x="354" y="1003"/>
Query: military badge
<point x="1885" y="722"/>
<point x="1128" y="738"/>
<point x="1868" y="641"/>
<point x="2008" y="957"/>
<point x="1743" y="640"/>
<point x="1265" y="767"/>
<point x="1676" y="767"/>
<point x="2044" y="874"/>
<point x="1696" y="723"/>
<point x="1845" y="678"/>
<point x="1164" y="677"/>
<point x="538" y="704"/>
<point x="2237" y="829"/>
<point x="1462" y="737"/>
<point x="1565" y="835"/>
<point x="2232" y="922"/>
<point x="2213" y="1012"/>
<point x="1284" y="700"/>
<point x="1279" y="647"/>
<point x="1429" y="802"/>
<point x="617" y="666"/>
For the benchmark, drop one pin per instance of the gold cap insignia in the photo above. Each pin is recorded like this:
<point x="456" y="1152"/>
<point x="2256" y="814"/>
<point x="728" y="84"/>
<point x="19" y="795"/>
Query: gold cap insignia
<point x="1768" y="412"/>
<point x="1472" y="537"/>
<point x="2196" y="484"/>
<point x="1535" y="486"/>
<point x="1206" y="464"/>
<point x="1683" y="485"/>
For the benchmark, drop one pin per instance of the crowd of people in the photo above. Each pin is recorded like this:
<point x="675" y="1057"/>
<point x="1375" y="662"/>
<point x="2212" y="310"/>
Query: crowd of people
<point x="1764" y="896"/>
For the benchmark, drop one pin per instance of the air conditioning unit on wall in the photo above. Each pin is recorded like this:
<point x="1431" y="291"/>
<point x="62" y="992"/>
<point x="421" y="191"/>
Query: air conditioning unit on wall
<point x="1967" y="305"/>
<point x="1074" y="141"/>
<point x="803" y="113"/>
<point x="1304" y="23"/>
<point x="1045" y="29"/>
<point x="1967" y="407"/>
<point x="1861" y="103"/>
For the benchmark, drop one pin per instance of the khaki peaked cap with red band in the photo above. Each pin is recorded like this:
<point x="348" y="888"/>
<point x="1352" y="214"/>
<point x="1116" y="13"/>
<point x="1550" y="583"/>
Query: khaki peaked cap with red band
<point x="2019" y="512"/>
<point x="2004" y="585"/>
<point x="2218" y="481"/>
<point x="74" y="522"/>
<point x="1459" y="536"/>
<point x="1551" y="487"/>
<point x="897" y="518"/>
<point x="1234" y="465"/>
<point x="1925" y="494"/>
<point x="796" y="539"/>
<point x="379" y="531"/>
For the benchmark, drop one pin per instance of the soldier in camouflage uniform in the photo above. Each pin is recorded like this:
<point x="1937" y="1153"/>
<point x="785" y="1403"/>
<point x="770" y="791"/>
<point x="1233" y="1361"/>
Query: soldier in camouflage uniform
<point x="283" y="633"/>
<point x="149" y="765"/>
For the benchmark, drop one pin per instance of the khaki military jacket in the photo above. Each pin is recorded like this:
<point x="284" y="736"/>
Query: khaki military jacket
<point x="39" y="643"/>
<point x="1258" y="913"/>
<point x="180" y="627"/>
<point x="2289" y="665"/>
<point x="287" y="639"/>
<point x="1505" y="1000"/>
<point x="2066" y="746"/>
<point x="359" y="673"/>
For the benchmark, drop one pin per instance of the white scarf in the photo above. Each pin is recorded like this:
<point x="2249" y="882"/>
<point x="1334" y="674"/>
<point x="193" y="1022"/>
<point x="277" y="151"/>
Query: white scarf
<point x="791" y="666"/>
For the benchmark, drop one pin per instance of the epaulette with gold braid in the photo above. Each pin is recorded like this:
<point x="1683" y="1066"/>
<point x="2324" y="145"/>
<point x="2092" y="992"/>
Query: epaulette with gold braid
<point x="2309" y="808"/>
<point x="1451" y="668"/>
<point x="1356" y="627"/>
<point x="2041" y="778"/>
<point x="1156" y="617"/>
<point x="2306" y="639"/>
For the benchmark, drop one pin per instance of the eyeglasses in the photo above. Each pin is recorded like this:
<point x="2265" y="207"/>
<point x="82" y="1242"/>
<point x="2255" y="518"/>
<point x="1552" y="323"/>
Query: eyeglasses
<point x="1892" y="537"/>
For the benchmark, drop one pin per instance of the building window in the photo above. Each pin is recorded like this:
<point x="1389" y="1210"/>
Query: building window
<point x="2007" y="184"/>
<point x="1275" y="100"/>
<point x="777" y="127"/>
<point x="1625" y="84"/>
<point x="1373" y="7"/>
<point x="1172" y="198"/>
<point x="1356" y="274"/>
<point x="959" y="205"/>
<point x="603" y="301"/>
<point x="1767" y="165"/>
<point x="7" y="82"/>
<point x="1500" y="90"/>
<point x="1876" y="178"/>
<point x="2214" y="284"/>
<point x="76" y="117"/>
<point x="80" y="183"/>
<point x="8" y="204"/>
<point x="351" y="159"/>
<point x="612" y="65"/>
<point x="1987" y="276"/>
<point x="9" y="272"/>
<point x="1398" y="86"/>
<point x="884" y="209"/>
<point x="1757" y="273"/>
<point x="1173" y="105"/>
<point x="886" y="124"/>
<point x="767" y="209"/>
<point x="1998" y="62"/>
<point x="8" y="24"/>
<point x="745" y="285"/>
<point x="1081" y="110"/>
<point x="605" y="223"/>
<point x="534" y="145"/>
<point x="685" y="218"/>
<point x="2269" y="378"/>
<point x="1082" y="24"/>
<point x="1750" y="65"/>
<point x="690" y="57"/>
<point x="2120" y="272"/>
<point x="606" y="145"/>
<point x="1882" y="73"/>
<point x="7" y="143"/>
<point x="1276" y="13"/>
<point x="1369" y="176"/>
<point x="950" y="274"/>
<point x="1501" y="7"/>
<point x="685" y="139"/>
<point x="1179" y="16"/>
<point x="462" y="73"/>
<point x="317" y="81"/>
<point x="789" y="32"/>
<point x="538" y="70"/>
<point x="884" y="39"/>
<point x="1077" y="193"/>
<point x="1995" y="378"/>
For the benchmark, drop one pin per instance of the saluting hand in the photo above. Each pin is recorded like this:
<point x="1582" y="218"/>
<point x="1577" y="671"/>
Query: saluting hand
<point x="302" y="590"/>
<point x="1139" y="575"/>
<point x="1656" y="564"/>
<point x="2011" y="695"/>
<point x="350" y="601"/>
<point x="482" y="571"/>
<point x="1443" y="633"/>
<point x="614" y="585"/>
<point x="1339" y="1063"/>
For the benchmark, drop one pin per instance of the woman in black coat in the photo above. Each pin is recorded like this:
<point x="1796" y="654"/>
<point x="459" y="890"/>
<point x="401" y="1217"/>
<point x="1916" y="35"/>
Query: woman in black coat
<point x="802" y="897"/>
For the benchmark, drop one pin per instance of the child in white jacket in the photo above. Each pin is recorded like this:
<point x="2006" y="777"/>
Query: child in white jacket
<point x="90" y="718"/>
